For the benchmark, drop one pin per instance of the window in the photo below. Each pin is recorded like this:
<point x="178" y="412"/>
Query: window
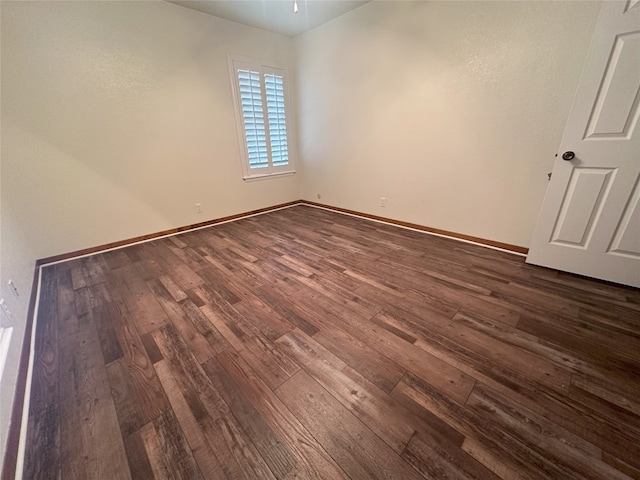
<point x="262" y="106"/>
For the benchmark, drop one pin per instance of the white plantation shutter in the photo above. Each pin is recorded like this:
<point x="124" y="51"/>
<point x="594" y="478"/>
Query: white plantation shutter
<point x="261" y="106"/>
<point x="274" y="86"/>
<point x="253" y="118"/>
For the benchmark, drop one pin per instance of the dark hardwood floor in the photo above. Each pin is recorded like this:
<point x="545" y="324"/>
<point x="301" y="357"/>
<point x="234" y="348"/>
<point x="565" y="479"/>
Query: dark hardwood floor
<point x="308" y="344"/>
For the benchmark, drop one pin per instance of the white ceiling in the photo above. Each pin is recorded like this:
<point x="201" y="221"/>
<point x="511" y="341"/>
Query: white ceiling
<point x="274" y="15"/>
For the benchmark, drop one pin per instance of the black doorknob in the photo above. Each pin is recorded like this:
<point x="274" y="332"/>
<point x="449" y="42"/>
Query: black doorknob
<point x="568" y="156"/>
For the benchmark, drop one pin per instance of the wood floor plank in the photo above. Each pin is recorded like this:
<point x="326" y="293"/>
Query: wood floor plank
<point x="139" y="463"/>
<point x="625" y="398"/>
<point x="215" y="283"/>
<point x="181" y="273"/>
<point x="237" y="273"/>
<point x="442" y="375"/>
<point x="176" y="314"/>
<point x="154" y="451"/>
<point x="511" y="454"/>
<point x="582" y="342"/>
<point x="147" y="267"/>
<point x="204" y="327"/>
<point x="95" y="268"/>
<point x="150" y="346"/>
<point x="45" y="386"/>
<point x="556" y="444"/>
<point x="195" y="386"/>
<point x="189" y="256"/>
<point x="492" y="461"/>
<point x="518" y="338"/>
<point x="146" y="312"/>
<point x="131" y="417"/>
<point x="78" y="275"/>
<point x="433" y="460"/>
<point x="115" y="259"/>
<point x="89" y="414"/>
<point x="356" y="448"/>
<point x="476" y="336"/>
<point x="393" y="347"/>
<point x="42" y="459"/>
<point x="337" y="286"/>
<point x="319" y="297"/>
<point x="274" y="451"/>
<point x="268" y="360"/>
<point x="372" y="407"/>
<point x="235" y="449"/>
<point x="143" y="382"/>
<point x="67" y="318"/>
<point x="243" y="452"/>
<point x="621" y="465"/>
<point x="273" y="277"/>
<point x="275" y="300"/>
<point x="70" y="419"/>
<point x="311" y="458"/>
<point x="174" y="290"/>
<point x="623" y="326"/>
<point x="111" y="349"/>
<point x="205" y="457"/>
<point x="369" y="362"/>
<point x="574" y="416"/>
<point x="232" y="330"/>
<point x="532" y="365"/>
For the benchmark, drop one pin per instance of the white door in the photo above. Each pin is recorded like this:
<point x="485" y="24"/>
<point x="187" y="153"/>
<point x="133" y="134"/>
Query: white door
<point x="590" y="218"/>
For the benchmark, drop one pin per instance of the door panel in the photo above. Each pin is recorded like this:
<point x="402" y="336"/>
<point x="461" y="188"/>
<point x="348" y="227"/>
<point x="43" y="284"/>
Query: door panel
<point x="590" y="218"/>
<point x="625" y="241"/>
<point x="616" y="108"/>
<point x="586" y="194"/>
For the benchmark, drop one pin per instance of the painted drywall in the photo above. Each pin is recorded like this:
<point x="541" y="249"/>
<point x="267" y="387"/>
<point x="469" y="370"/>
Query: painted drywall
<point x="117" y="118"/>
<point x="16" y="264"/>
<point x="452" y="111"/>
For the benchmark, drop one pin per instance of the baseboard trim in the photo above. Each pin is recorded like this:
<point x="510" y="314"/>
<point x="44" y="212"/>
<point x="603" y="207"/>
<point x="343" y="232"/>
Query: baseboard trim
<point x="208" y="223"/>
<point x="9" y="463"/>
<point x="422" y="228"/>
<point x="164" y="233"/>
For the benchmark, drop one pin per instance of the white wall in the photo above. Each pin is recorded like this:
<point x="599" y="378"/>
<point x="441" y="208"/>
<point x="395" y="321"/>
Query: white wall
<point x="16" y="263"/>
<point x="451" y="110"/>
<point x="117" y="117"/>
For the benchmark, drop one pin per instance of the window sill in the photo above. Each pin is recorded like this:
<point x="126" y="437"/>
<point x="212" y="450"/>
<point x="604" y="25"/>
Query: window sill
<point x="264" y="176"/>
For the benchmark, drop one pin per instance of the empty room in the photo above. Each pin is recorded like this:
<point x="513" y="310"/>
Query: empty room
<point x="320" y="239"/>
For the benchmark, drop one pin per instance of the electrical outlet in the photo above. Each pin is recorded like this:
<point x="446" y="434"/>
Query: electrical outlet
<point x="383" y="201"/>
<point x="5" y="308"/>
<point x="14" y="288"/>
<point x="198" y="208"/>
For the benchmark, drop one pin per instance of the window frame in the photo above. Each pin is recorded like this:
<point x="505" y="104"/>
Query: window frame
<point x="236" y="63"/>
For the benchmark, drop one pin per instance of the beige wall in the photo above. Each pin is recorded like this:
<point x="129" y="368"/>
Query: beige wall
<point x="117" y="117"/>
<point x="451" y="110"/>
